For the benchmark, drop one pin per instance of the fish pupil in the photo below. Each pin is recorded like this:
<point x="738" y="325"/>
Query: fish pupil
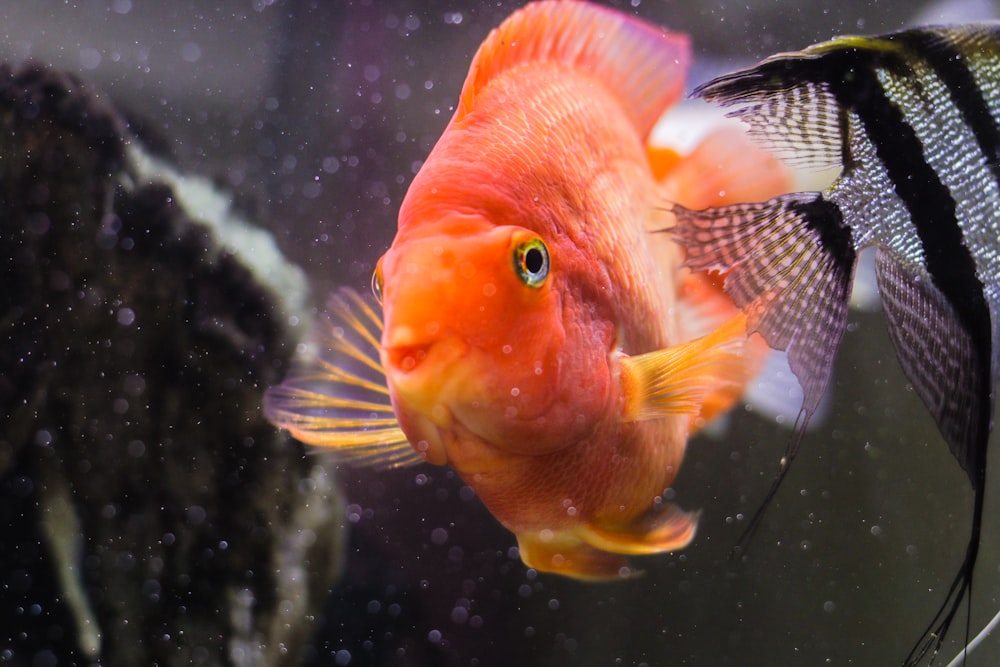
<point x="534" y="260"/>
<point x="531" y="260"/>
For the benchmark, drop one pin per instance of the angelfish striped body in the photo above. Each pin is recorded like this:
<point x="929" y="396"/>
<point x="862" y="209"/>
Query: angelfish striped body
<point x="911" y="119"/>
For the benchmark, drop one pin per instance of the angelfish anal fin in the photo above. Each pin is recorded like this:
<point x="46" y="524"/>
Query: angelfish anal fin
<point x="937" y="354"/>
<point x="952" y="375"/>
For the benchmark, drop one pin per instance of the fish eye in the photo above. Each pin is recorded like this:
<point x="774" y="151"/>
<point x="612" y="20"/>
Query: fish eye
<point x="531" y="261"/>
<point x="377" y="282"/>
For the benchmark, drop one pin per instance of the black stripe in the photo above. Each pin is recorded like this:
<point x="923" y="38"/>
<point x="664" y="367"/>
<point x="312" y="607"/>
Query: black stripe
<point x="826" y="220"/>
<point x="851" y="76"/>
<point x="949" y="64"/>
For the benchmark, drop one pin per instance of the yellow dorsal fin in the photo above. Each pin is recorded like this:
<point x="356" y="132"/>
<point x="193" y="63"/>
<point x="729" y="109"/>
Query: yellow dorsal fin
<point x="643" y="65"/>
<point x="677" y="379"/>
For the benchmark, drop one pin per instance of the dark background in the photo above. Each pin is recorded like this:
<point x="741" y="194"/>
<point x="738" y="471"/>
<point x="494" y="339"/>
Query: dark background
<point x="317" y="114"/>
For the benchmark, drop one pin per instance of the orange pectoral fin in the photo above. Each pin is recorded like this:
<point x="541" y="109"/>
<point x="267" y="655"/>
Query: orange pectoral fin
<point x="677" y="380"/>
<point x="703" y="306"/>
<point x="338" y="398"/>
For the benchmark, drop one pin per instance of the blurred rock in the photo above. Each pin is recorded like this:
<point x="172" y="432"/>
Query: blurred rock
<point x="150" y="515"/>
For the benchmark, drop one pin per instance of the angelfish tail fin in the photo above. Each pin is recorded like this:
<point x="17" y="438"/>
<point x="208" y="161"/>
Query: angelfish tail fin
<point x="789" y="264"/>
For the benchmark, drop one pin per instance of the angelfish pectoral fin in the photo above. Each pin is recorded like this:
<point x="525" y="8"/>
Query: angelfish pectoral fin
<point x="338" y="397"/>
<point x="789" y="265"/>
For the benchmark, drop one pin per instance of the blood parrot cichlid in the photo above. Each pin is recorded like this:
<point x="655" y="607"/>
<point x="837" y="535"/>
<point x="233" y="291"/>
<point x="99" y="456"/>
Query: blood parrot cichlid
<point x="537" y="338"/>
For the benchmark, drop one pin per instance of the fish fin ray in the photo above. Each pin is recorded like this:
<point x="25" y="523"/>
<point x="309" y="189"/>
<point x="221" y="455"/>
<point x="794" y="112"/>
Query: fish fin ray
<point x="566" y="554"/>
<point x="337" y="399"/>
<point x="643" y="65"/>
<point x="937" y="355"/>
<point x="798" y="118"/>
<point x="789" y="265"/>
<point x="677" y="379"/>
<point x="941" y="362"/>
<point x="784" y="465"/>
<point x="664" y="528"/>
<point x="703" y="307"/>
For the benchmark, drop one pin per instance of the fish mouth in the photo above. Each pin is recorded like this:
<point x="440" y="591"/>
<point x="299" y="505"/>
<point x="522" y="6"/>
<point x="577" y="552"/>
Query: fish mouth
<point x="406" y="358"/>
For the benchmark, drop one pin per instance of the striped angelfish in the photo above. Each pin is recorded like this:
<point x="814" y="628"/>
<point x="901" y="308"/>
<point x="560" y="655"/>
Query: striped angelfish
<point x="910" y="119"/>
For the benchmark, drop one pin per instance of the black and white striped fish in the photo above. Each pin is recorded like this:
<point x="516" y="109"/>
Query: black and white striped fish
<point x="911" y="118"/>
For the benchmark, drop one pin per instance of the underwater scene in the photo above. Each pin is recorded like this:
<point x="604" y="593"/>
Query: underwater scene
<point x="371" y="333"/>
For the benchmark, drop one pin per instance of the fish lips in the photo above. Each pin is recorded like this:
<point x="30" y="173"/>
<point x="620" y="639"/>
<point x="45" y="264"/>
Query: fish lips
<point x="421" y="377"/>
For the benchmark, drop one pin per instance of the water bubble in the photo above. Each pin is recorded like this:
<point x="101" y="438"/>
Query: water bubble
<point x="459" y="615"/>
<point x="190" y="52"/>
<point x="90" y="58"/>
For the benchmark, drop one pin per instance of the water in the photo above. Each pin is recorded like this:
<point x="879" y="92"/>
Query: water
<point x="317" y="115"/>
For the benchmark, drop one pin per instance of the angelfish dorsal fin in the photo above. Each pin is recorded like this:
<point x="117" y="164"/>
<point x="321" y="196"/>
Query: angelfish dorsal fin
<point x="643" y="65"/>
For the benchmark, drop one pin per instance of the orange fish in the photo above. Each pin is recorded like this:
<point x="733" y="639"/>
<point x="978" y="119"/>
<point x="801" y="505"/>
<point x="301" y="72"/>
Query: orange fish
<point x="536" y="337"/>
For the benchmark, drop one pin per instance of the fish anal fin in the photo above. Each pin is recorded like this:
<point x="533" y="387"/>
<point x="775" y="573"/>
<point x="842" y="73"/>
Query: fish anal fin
<point x="644" y="66"/>
<point x="663" y="528"/>
<point x="726" y="167"/>
<point x="954" y="380"/>
<point x="563" y="553"/>
<point x="337" y="397"/>
<point x="937" y="354"/>
<point x="677" y="380"/>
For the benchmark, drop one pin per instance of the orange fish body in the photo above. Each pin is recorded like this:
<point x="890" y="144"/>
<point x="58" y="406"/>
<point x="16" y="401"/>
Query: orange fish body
<point x="533" y="336"/>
